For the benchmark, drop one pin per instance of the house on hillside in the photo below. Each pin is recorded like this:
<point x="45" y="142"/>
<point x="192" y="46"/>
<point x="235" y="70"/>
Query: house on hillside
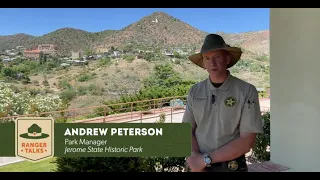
<point x="168" y="53"/>
<point x="6" y="61"/>
<point x="116" y="54"/>
<point x="79" y="63"/>
<point x="140" y="51"/>
<point x="64" y="65"/>
<point x="32" y="54"/>
<point x="76" y="55"/>
<point x="47" y="49"/>
<point x="20" y="49"/>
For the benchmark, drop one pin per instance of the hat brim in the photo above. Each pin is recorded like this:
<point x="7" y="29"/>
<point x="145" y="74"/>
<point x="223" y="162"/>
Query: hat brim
<point x="233" y="51"/>
<point x="25" y="135"/>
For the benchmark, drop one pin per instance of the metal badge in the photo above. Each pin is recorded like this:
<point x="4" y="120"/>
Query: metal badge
<point x="230" y="101"/>
<point x="233" y="165"/>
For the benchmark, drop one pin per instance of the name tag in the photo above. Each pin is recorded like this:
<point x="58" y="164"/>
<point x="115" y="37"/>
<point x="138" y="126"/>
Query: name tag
<point x="200" y="98"/>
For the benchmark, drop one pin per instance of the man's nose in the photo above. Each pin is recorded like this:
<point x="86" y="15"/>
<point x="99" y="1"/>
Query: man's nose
<point x="214" y="62"/>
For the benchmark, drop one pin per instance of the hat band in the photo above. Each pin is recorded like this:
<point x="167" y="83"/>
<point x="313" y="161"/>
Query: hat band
<point x="207" y="49"/>
<point x="34" y="134"/>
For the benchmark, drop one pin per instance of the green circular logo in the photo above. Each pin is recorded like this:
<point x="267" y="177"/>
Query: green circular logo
<point x="230" y="101"/>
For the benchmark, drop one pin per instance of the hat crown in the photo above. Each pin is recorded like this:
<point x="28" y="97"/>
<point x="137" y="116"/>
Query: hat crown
<point x="34" y="128"/>
<point x="213" y="41"/>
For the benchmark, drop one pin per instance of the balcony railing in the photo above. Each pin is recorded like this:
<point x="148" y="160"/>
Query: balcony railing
<point x="119" y="112"/>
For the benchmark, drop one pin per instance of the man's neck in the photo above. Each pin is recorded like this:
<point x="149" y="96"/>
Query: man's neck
<point x="220" y="79"/>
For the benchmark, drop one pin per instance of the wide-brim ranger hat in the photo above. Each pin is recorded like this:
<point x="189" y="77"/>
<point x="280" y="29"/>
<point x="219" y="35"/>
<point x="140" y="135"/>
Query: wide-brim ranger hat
<point x="34" y="135"/>
<point x="34" y="132"/>
<point x="215" y="42"/>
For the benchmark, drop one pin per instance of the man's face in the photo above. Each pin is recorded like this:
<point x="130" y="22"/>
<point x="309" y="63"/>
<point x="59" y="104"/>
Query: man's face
<point x="216" y="62"/>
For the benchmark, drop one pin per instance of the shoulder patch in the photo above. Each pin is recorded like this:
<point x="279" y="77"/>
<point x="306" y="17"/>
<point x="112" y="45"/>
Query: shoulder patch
<point x="230" y="101"/>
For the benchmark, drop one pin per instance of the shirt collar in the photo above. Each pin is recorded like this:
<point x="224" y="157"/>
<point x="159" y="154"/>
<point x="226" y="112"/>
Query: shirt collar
<point x="224" y="87"/>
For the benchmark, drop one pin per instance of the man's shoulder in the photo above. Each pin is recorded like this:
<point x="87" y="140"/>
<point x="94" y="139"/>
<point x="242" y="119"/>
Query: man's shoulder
<point x="242" y="84"/>
<point x="198" y="85"/>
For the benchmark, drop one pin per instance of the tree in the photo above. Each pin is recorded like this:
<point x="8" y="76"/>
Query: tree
<point x="128" y="48"/>
<point x="163" y="75"/>
<point x="176" y="54"/>
<point x="41" y="58"/>
<point x="88" y="52"/>
<point x="9" y="72"/>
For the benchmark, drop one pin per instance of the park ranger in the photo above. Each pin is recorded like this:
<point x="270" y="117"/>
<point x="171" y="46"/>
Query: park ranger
<point x="224" y="111"/>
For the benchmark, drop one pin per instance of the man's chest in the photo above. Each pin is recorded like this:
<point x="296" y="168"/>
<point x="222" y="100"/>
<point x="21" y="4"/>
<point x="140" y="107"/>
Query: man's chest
<point x="217" y="106"/>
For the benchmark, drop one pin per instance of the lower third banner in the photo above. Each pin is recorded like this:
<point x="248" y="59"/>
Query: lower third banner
<point x="39" y="138"/>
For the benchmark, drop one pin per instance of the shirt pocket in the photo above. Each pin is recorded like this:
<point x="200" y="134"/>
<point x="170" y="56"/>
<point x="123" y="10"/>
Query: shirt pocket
<point x="229" y="116"/>
<point x="198" y="107"/>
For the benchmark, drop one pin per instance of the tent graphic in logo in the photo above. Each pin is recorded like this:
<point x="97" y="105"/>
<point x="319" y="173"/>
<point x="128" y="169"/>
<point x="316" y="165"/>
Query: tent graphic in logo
<point x="34" y="132"/>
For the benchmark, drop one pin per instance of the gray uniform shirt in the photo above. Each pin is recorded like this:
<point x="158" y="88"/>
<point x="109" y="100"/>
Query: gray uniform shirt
<point x="222" y="113"/>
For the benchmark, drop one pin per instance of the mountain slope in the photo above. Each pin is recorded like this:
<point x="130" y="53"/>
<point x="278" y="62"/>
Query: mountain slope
<point x="70" y="39"/>
<point x="12" y="41"/>
<point x="255" y="42"/>
<point x="65" y="40"/>
<point x="158" y="29"/>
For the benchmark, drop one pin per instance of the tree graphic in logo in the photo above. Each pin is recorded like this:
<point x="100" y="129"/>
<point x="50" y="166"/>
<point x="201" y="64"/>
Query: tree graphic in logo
<point x="34" y="132"/>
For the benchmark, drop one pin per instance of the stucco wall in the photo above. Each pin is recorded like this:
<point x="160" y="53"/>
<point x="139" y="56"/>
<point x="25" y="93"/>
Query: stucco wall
<point x="295" y="88"/>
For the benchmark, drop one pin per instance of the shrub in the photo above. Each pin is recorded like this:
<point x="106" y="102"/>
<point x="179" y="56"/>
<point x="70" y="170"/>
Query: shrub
<point x="45" y="83"/>
<point x="167" y="164"/>
<point x="19" y="103"/>
<point x="260" y="150"/>
<point x="177" y="61"/>
<point x="263" y="94"/>
<point x="35" y="82"/>
<point x="129" y="58"/>
<point x="103" y="164"/>
<point x="85" y="77"/>
<point x="106" y="61"/>
<point x="68" y="95"/>
<point x="82" y="90"/>
<point x="162" y="118"/>
<point x="64" y="84"/>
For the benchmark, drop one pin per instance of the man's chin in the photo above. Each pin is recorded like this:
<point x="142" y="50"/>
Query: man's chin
<point x="214" y="73"/>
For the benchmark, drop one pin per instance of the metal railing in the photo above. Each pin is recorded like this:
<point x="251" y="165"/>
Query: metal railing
<point x="143" y="110"/>
<point x="119" y="112"/>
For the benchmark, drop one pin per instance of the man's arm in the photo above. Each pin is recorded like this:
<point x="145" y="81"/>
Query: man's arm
<point x="250" y="125"/>
<point x="189" y="118"/>
<point x="195" y="145"/>
<point x="235" y="148"/>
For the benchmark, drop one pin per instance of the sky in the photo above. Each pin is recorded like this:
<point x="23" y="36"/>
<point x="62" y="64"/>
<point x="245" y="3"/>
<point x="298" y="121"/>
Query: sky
<point x="40" y="21"/>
